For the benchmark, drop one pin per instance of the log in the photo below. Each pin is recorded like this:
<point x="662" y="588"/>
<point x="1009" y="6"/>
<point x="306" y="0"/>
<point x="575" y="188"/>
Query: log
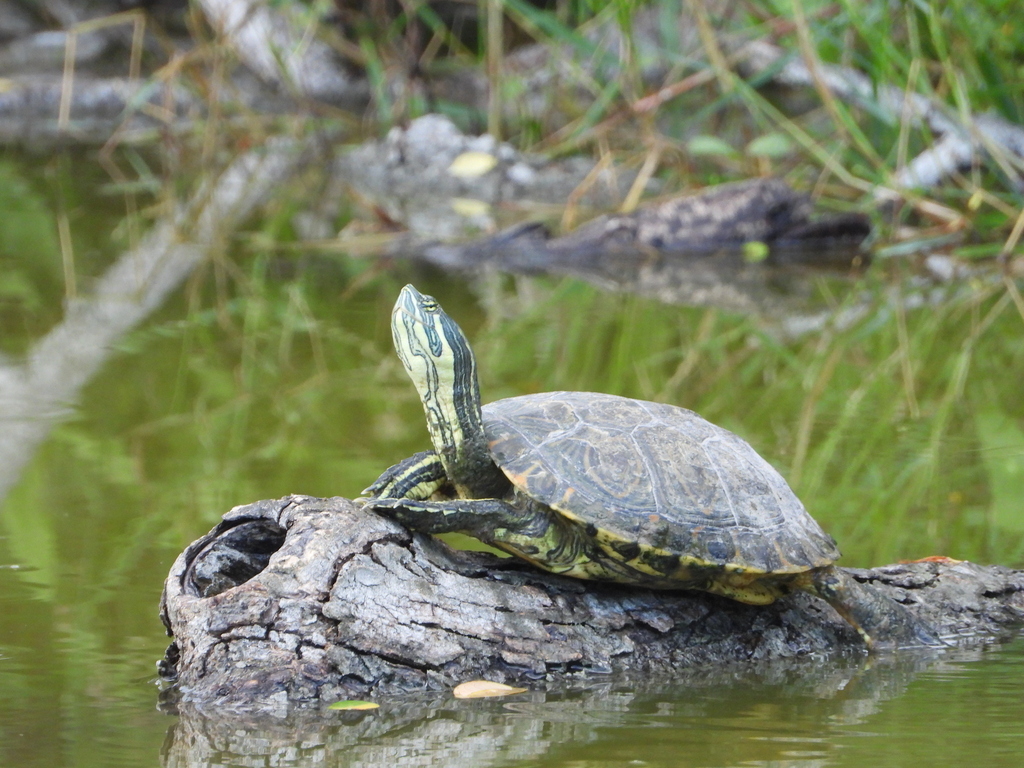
<point x="294" y="603"/>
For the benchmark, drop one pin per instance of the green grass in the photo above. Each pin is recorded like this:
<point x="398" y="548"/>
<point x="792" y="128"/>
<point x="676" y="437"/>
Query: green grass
<point x="964" y="57"/>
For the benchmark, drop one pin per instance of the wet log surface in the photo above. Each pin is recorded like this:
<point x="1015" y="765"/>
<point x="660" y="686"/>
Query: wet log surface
<point x="299" y="602"/>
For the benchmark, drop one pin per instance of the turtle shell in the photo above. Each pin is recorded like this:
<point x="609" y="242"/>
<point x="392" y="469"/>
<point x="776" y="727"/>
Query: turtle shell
<point x="658" y="475"/>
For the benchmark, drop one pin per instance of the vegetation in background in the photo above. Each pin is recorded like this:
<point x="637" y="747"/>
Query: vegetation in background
<point x="964" y="57"/>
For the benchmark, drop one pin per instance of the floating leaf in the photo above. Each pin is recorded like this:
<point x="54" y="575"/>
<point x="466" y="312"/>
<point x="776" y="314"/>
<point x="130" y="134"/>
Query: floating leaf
<point x="709" y="146"/>
<point x="354" y="704"/>
<point x="772" y="145"/>
<point x="755" y="251"/>
<point x="477" y="689"/>
<point x="470" y="165"/>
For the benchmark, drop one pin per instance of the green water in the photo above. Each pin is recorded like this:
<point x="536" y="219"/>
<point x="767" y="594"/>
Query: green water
<point x="271" y="372"/>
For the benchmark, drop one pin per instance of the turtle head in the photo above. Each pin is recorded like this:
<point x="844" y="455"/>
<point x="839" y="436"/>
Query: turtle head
<point x="440" y="363"/>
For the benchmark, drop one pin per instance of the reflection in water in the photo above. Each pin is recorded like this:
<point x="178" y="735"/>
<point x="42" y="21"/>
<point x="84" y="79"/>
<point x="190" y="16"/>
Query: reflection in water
<point x="793" y="291"/>
<point x="41" y="391"/>
<point x="74" y="588"/>
<point x="797" y="713"/>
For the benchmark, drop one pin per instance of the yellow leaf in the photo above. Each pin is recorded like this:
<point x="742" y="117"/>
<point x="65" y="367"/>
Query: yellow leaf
<point x="354" y="704"/>
<point x="470" y="165"/>
<point x="466" y="206"/>
<point x="477" y="689"/>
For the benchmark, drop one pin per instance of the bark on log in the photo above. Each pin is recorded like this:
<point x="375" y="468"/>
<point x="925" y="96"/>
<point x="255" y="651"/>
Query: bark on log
<point x="303" y="601"/>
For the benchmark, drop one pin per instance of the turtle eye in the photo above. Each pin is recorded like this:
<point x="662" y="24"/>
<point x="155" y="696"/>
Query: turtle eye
<point x="429" y="305"/>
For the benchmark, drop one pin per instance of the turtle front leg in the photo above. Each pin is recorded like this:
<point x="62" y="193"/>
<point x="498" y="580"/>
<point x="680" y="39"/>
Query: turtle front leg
<point x="490" y="520"/>
<point x="529" y="531"/>
<point x="418" y="477"/>
<point x="883" y="623"/>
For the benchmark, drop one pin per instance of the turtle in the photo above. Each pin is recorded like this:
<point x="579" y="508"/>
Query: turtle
<point x="609" y="488"/>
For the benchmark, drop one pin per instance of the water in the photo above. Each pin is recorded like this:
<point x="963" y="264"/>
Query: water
<point x="946" y="712"/>
<point x="902" y="428"/>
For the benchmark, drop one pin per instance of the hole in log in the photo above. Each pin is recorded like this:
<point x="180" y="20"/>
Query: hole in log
<point x="233" y="557"/>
